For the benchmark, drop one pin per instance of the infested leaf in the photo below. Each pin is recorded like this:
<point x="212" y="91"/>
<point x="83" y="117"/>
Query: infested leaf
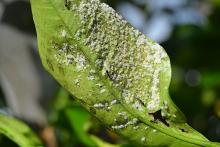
<point x="117" y="73"/>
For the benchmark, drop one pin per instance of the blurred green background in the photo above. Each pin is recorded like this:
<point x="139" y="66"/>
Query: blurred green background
<point x="187" y="29"/>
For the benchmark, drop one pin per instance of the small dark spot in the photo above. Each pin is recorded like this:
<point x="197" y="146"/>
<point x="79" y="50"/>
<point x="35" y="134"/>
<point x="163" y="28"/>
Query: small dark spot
<point x="157" y="116"/>
<point x="109" y="75"/>
<point x="92" y="110"/>
<point x="26" y="134"/>
<point x="82" y="102"/>
<point x="140" y="101"/>
<point x="67" y="4"/>
<point x="183" y="130"/>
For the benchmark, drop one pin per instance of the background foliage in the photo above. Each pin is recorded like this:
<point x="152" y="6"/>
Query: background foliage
<point x="188" y="30"/>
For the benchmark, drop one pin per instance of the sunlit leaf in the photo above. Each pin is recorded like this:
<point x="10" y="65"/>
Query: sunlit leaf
<point x="118" y="74"/>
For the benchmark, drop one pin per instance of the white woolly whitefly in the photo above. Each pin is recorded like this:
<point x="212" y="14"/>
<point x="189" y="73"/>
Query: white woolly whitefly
<point x="137" y="105"/>
<point x="136" y="127"/>
<point x="102" y="90"/>
<point x="118" y="127"/>
<point x="77" y="82"/>
<point x="143" y="139"/>
<point x="80" y="62"/>
<point x="141" y="40"/>
<point x="99" y="105"/>
<point x="64" y="47"/>
<point x="131" y="61"/>
<point x="146" y="128"/>
<point x="122" y="113"/>
<point x="114" y="102"/>
<point x="152" y="105"/>
<point x="63" y="33"/>
<point x="91" y="77"/>
<point x="154" y="130"/>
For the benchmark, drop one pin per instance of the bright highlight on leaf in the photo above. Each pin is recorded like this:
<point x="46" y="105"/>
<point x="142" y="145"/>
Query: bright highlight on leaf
<point x="118" y="74"/>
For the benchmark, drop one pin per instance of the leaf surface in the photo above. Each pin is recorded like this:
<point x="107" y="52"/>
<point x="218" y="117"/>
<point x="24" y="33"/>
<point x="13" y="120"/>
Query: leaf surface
<point x="117" y="73"/>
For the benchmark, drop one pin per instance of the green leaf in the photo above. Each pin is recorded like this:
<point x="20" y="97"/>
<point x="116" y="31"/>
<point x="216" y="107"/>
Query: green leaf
<point x="18" y="132"/>
<point x="78" y="118"/>
<point x="74" y="119"/>
<point x="118" y="74"/>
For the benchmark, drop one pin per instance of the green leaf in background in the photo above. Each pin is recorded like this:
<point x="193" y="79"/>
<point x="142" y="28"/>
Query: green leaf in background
<point x="78" y="118"/>
<point x="210" y="80"/>
<point x="70" y="119"/>
<point x="18" y="132"/>
<point x="118" y="74"/>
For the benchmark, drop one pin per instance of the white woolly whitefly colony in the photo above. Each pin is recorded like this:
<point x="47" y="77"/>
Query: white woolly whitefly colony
<point x="67" y="53"/>
<point x="131" y="61"/>
<point x="132" y="122"/>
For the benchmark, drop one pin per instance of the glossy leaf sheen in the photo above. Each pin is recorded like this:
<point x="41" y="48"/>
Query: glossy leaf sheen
<point x="18" y="132"/>
<point x="118" y="74"/>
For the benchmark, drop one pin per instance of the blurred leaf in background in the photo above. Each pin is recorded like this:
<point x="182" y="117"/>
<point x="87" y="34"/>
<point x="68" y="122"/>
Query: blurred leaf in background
<point x="17" y="132"/>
